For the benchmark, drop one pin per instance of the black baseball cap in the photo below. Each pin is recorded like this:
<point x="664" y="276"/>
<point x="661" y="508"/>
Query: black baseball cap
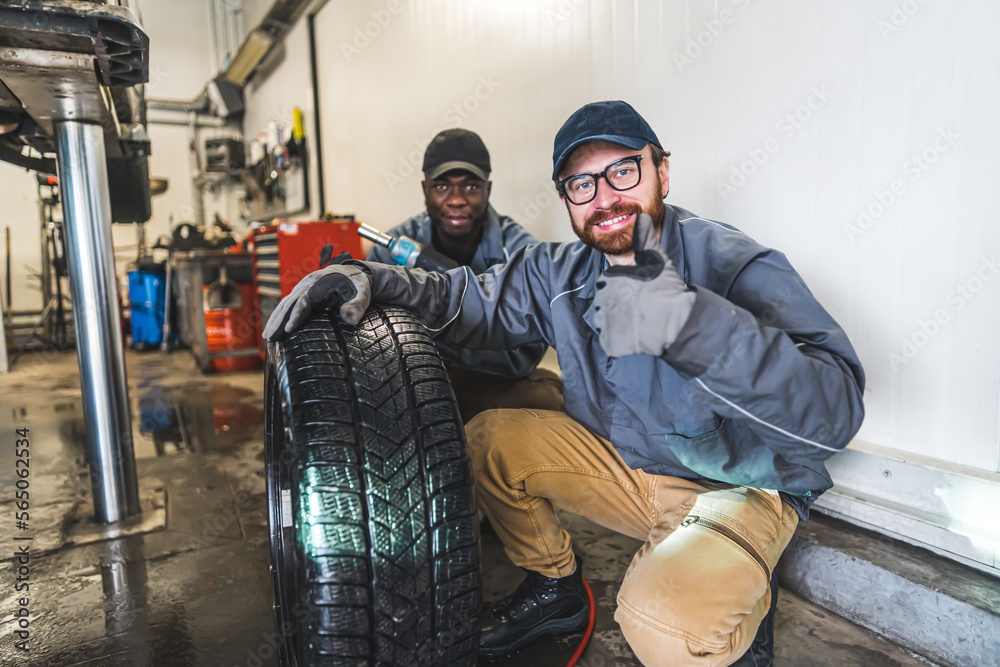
<point x="614" y="121"/>
<point x="457" y="149"/>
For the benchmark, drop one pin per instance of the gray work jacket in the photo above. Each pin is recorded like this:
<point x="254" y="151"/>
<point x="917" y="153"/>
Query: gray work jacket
<point x="501" y="237"/>
<point x="759" y="389"/>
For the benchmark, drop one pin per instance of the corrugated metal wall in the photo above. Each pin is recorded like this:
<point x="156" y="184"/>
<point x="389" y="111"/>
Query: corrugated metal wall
<point x="860" y="137"/>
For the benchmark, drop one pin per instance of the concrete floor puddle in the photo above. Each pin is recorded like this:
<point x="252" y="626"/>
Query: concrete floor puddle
<point x="199" y="417"/>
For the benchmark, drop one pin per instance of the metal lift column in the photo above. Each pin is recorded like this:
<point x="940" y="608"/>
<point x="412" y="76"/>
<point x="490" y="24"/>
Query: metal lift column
<point x="83" y="180"/>
<point x="68" y="76"/>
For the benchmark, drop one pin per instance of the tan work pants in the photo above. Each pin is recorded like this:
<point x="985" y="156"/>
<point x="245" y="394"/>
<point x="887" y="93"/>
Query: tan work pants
<point x="698" y="587"/>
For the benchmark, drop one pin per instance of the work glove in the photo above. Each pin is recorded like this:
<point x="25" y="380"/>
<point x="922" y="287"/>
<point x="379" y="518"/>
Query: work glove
<point x="641" y="309"/>
<point x="343" y="284"/>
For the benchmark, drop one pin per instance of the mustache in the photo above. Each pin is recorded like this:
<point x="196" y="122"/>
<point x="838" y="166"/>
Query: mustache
<point x="613" y="212"/>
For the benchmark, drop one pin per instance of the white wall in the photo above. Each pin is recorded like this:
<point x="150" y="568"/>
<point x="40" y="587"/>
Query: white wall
<point x="20" y="214"/>
<point x="254" y="12"/>
<point x="876" y="84"/>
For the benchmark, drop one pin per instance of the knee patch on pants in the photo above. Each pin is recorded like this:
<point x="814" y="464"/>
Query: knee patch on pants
<point x="697" y="596"/>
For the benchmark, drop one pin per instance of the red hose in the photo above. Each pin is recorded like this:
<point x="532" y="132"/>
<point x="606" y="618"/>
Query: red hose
<point x="588" y="632"/>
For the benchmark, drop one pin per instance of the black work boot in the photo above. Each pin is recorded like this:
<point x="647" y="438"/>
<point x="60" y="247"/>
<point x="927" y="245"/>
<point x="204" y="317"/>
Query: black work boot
<point x="761" y="652"/>
<point x="540" y="606"/>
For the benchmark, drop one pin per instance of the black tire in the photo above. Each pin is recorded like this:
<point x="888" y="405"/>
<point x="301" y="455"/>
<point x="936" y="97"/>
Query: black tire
<point x="374" y="537"/>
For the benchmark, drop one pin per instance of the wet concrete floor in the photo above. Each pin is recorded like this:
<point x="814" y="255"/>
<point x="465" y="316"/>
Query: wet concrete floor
<point x="195" y="589"/>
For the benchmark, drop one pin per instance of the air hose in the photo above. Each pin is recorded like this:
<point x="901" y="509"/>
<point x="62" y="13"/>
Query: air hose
<point x="590" y="628"/>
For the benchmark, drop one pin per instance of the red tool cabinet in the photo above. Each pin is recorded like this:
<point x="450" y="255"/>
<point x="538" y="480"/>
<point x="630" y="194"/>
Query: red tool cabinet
<point x="287" y="250"/>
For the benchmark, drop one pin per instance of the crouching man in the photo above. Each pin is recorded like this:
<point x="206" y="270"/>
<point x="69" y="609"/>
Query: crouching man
<point x="704" y="388"/>
<point x="460" y="224"/>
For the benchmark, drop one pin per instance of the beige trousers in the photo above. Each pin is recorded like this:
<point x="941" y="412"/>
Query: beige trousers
<point x="698" y="587"/>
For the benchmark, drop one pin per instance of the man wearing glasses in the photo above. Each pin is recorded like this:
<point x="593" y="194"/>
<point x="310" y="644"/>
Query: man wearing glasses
<point x="460" y="223"/>
<point x="704" y="387"/>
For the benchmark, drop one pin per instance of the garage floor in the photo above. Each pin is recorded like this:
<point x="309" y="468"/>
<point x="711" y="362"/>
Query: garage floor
<point x="191" y="587"/>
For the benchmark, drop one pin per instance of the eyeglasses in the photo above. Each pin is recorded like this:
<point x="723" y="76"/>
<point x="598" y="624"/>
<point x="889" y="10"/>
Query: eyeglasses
<point x="581" y="188"/>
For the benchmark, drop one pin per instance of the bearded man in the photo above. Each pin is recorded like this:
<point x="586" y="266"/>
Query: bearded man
<point x="704" y="387"/>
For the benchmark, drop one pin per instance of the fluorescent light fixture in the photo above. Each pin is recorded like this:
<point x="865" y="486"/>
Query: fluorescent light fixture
<point x="253" y="50"/>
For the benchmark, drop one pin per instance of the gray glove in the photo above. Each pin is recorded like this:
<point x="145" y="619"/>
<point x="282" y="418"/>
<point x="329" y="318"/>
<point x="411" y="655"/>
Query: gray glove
<point x="343" y="284"/>
<point x="641" y="309"/>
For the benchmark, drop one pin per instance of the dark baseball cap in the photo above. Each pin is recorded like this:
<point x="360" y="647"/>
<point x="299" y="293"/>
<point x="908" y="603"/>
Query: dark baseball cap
<point x="457" y="149"/>
<point x="614" y="121"/>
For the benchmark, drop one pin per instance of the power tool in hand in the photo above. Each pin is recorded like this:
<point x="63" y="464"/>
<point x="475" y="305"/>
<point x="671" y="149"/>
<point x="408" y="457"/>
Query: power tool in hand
<point x="407" y="252"/>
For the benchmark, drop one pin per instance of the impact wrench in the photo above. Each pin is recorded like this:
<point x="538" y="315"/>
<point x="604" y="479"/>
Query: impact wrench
<point x="407" y="252"/>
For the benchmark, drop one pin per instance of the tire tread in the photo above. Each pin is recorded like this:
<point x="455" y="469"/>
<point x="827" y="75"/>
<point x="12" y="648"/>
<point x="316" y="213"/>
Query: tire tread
<point x="388" y="526"/>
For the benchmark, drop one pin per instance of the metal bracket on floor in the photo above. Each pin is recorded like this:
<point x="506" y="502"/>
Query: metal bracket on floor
<point x="83" y="529"/>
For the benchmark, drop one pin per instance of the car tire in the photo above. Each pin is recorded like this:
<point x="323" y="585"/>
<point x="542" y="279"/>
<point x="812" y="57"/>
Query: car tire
<point x="373" y="525"/>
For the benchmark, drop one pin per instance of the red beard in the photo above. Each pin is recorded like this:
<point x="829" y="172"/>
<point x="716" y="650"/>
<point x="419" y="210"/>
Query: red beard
<point x="620" y="242"/>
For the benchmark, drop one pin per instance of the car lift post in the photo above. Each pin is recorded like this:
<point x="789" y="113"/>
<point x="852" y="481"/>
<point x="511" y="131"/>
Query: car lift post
<point x="80" y="155"/>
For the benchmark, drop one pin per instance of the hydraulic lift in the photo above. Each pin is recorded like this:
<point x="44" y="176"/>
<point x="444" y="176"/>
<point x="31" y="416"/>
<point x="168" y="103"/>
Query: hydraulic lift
<point x="69" y="72"/>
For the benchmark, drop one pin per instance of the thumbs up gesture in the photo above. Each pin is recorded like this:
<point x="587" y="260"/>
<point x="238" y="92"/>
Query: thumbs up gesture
<point x="641" y="309"/>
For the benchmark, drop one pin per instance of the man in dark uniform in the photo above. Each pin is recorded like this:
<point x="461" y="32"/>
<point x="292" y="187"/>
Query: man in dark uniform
<point x="460" y="223"/>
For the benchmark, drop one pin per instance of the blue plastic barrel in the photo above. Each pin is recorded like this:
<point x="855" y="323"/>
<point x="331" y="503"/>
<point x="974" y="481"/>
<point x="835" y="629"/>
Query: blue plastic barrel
<point x="146" y="293"/>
